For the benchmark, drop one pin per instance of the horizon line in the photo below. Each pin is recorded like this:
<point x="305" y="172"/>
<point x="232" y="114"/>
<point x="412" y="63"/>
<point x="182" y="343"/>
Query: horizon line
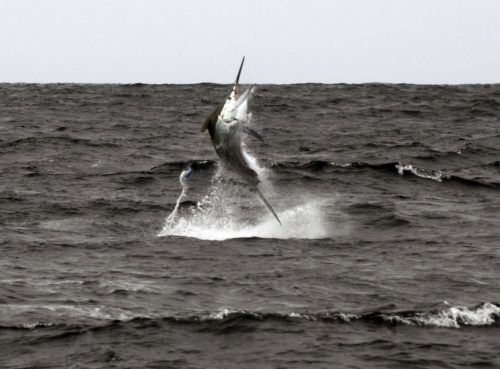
<point x="253" y="83"/>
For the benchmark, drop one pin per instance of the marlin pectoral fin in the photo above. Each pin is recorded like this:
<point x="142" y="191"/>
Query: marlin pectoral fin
<point x="246" y="97"/>
<point x="268" y="205"/>
<point x="253" y="133"/>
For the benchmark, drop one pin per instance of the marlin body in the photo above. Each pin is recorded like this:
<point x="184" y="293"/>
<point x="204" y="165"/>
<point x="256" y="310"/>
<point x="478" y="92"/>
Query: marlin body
<point x="226" y="126"/>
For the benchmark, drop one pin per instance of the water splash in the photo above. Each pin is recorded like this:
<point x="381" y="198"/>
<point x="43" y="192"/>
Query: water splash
<point x="183" y="178"/>
<point x="233" y="211"/>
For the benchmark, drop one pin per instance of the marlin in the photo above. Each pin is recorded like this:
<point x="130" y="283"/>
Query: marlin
<point x="226" y="126"/>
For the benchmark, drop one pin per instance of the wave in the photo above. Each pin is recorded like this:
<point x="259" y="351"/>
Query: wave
<point x="61" y="315"/>
<point x="481" y="315"/>
<point x="178" y="165"/>
<point x="484" y="314"/>
<point x="42" y="141"/>
<point x="395" y="167"/>
<point x="435" y="175"/>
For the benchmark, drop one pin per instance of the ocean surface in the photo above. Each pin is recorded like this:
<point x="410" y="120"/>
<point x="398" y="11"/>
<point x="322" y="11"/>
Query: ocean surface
<point x="388" y="257"/>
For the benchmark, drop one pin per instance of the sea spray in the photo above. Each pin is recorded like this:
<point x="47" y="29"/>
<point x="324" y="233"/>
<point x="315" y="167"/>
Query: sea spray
<point x="230" y="211"/>
<point x="212" y="215"/>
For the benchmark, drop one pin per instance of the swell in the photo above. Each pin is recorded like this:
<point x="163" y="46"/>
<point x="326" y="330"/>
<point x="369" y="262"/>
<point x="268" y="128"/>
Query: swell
<point x="177" y="165"/>
<point x="31" y="142"/>
<point x="481" y="315"/>
<point x="394" y="167"/>
<point x="316" y="166"/>
<point x="388" y="167"/>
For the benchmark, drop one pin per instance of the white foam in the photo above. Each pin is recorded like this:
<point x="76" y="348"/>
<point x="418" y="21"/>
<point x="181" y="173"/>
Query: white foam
<point x="34" y="325"/>
<point x="219" y="315"/>
<point x="434" y="175"/>
<point x="11" y="311"/>
<point x="454" y="317"/>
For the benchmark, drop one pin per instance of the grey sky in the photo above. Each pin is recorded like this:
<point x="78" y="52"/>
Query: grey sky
<point x="186" y="41"/>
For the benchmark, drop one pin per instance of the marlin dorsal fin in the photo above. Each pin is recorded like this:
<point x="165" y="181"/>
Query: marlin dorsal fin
<point x="237" y="82"/>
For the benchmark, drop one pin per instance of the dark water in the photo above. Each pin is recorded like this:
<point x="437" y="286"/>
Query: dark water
<point x="388" y="257"/>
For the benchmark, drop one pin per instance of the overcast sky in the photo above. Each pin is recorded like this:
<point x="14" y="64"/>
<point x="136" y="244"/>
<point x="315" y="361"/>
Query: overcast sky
<point x="287" y="41"/>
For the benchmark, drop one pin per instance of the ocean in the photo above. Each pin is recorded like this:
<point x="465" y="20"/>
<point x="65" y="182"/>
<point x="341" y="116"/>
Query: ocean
<point x="388" y="257"/>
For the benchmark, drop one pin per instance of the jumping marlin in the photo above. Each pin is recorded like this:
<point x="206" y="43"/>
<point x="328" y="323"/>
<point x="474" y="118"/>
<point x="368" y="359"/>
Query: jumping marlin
<point x="225" y="126"/>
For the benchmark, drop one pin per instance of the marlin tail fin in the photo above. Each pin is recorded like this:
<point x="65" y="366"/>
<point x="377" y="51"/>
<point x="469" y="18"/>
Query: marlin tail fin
<point x="268" y="205"/>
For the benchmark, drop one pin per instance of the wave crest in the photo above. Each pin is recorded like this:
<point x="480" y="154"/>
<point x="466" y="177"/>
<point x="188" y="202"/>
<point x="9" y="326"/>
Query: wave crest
<point x="484" y="314"/>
